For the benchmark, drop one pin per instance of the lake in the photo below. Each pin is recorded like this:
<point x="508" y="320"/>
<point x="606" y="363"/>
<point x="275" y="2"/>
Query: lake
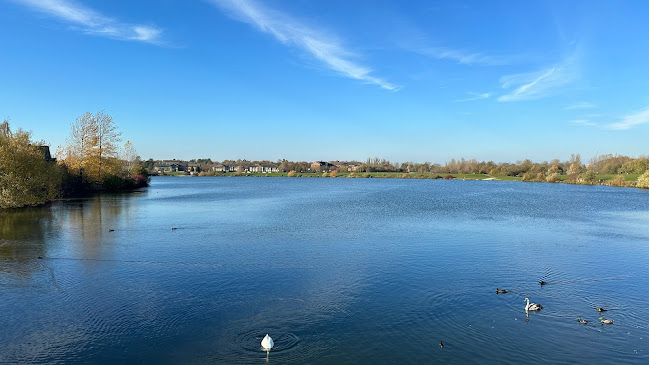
<point x="336" y="270"/>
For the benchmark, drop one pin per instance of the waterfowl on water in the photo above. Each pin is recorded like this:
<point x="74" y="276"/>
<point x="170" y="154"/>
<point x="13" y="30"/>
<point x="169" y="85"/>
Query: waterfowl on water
<point x="267" y="343"/>
<point x="543" y="282"/>
<point x="605" y="321"/>
<point x="501" y="291"/>
<point x="532" y="306"/>
<point x="441" y="344"/>
<point x="582" y="321"/>
<point x="600" y="309"/>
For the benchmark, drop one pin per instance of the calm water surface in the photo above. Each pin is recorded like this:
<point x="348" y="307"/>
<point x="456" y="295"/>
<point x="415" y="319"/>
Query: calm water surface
<point x="343" y="271"/>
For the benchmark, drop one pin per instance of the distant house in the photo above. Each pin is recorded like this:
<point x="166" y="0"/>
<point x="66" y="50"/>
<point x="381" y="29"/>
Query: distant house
<point x="46" y="153"/>
<point x="347" y="166"/>
<point x="220" y="168"/>
<point x="270" y="168"/>
<point x="170" y="166"/>
<point x="321" y="166"/>
<point x="226" y="168"/>
<point x="263" y="168"/>
<point x="353" y="166"/>
<point x="193" y="167"/>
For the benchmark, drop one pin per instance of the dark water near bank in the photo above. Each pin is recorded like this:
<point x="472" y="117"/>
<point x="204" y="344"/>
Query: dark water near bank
<point x="343" y="271"/>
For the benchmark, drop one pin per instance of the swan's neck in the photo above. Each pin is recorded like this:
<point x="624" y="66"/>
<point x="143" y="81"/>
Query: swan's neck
<point x="527" y="306"/>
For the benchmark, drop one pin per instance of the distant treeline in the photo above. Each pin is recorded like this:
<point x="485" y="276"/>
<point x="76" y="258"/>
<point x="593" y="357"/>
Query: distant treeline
<point x="603" y="164"/>
<point x="92" y="161"/>
<point x="614" y="170"/>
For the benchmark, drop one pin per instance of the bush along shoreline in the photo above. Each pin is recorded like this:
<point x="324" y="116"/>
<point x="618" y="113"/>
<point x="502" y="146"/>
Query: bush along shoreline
<point x="92" y="162"/>
<point x="629" y="181"/>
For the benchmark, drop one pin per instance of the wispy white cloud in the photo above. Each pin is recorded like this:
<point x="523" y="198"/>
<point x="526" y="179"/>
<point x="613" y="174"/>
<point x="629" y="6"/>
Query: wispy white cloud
<point x="581" y="105"/>
<point x="462" y="57"/>
<point x="322" y="46"/>
<point x="584" y="122"/>
<point x="475" y="96"/>
<point x="412" y="38"/>
<point x="92" y="22"/>
<point x="539" y="84"/>
<point x="630" y="121"/>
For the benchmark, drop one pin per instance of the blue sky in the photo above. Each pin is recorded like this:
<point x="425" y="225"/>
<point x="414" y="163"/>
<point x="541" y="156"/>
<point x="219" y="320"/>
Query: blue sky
<point x="306" y="80"/>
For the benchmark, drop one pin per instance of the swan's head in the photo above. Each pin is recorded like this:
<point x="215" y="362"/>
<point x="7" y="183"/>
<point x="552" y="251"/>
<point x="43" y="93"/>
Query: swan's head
<point x="526" y="298"/>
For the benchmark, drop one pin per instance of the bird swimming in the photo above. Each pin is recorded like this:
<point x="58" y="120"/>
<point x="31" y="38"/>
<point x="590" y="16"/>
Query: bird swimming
<point x="501" y="291"/>
<point x="532" y="306"/>
<point x="441" y="344"/>
<point x="600" y="309"/>
<point x="582" y="321"/>
<point x="542" y="282"/>
<point x="267" y="343"/>
<point x="605" y="321"/>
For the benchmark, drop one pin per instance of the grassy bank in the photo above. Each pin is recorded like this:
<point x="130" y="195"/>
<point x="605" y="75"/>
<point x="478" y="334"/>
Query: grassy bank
<point x="618" y="180"/>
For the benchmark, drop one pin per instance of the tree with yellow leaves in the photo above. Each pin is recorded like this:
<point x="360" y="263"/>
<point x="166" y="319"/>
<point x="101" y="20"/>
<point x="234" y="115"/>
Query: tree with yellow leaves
<point x="92" y="147"/>
<point x="26" y="177"/>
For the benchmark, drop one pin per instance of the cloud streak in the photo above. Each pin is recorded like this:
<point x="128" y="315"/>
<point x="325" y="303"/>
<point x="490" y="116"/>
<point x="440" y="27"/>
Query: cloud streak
<point x="292" y="32"/>
<point x="539" y="84"/>
<point x="476" y="96"/>
<point x="630" y="121"/>
<point x="584" y="122"/>
<point x="92" y="22"/>
<point x="581" y="105"/>
<point x="462" y="57"/>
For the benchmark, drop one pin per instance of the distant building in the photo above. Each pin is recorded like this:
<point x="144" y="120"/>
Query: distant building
<point x="46" y="153"/>
<point x="170" y="166"/>
<point x="220" y="168"/>
<point x="322" y="166"/>
<point x="229" y="168"/>
<point x="193" y="167"/>
<point x="263" y="168"/>
<point x="352" y="166"/>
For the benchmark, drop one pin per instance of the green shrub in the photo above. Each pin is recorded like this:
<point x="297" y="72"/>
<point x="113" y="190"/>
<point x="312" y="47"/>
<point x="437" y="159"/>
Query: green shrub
<point x="643" y="180"/>
<point x="553" y="177"/>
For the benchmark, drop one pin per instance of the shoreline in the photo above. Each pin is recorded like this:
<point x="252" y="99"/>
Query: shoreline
<point x="601" y="180"/>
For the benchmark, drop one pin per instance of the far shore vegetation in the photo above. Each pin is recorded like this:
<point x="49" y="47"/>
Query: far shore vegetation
<point x="92" y="161"/>
<point x="611" y="170"/>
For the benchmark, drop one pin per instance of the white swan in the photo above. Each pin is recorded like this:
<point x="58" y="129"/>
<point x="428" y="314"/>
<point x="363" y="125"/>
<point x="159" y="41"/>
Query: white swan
<point x="532" y="306"/>
<point x="267" y="343"/>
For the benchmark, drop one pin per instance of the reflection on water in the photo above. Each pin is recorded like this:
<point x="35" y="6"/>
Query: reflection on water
<point x="26" y="233"/>
<point x="23" y="238"/>
<point x="92" y="220"/>
<point x="335" y="270"/>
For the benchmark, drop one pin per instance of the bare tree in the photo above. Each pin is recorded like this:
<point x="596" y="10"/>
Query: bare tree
<point x="129" y="155"/>
<point x="77" y="154"/>
<point x="93" y="143"/>
<point x="107" y="138"/>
